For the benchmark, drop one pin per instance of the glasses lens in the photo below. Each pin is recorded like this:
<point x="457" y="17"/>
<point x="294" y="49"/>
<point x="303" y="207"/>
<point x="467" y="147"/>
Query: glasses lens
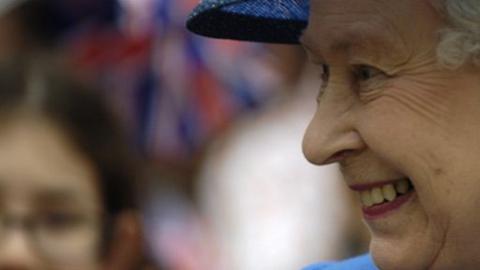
<point x="68" y="238"/>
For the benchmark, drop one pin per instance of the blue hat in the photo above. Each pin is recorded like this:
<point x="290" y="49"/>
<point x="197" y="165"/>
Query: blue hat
<point x="274" y="21"/>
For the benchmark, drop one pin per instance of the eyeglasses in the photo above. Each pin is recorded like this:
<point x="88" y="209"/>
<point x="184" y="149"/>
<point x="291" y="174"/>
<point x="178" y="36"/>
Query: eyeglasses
<point x="59" y="237"/>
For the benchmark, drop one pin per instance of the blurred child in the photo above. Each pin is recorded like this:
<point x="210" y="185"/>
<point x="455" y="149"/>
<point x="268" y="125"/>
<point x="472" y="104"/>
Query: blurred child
<point x="66" y="193"/>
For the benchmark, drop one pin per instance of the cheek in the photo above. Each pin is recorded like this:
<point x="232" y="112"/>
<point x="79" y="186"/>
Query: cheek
<point x="409" y="113"/>
<point x="431" y="135"/>
<point x="396" y="131"/>
<point x="408" y="126"/>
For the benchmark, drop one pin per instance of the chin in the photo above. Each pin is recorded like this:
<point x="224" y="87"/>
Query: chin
<point x="394" y="255"/>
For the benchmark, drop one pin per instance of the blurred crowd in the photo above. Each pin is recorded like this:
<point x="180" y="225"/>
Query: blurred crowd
<point x="129" y="143"/>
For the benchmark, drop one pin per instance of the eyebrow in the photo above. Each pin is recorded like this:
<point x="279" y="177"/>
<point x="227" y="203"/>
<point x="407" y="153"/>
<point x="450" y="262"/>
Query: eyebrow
<point x="58" y="196"/>
<point x="342" y="42"/>
<point x="345" y="42"/>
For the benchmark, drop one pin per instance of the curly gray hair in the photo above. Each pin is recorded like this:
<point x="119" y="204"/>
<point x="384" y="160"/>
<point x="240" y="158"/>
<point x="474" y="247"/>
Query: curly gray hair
<point x="460" y="42"/>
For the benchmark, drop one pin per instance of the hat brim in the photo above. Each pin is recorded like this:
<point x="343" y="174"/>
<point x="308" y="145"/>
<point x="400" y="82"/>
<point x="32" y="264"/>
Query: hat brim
<point x="251" y="20"/>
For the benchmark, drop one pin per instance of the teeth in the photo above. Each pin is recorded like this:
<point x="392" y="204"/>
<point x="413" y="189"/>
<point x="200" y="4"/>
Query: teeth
<point x="385" y="193"/>
<point x="389" y="192"/>
<point x="401" y="186"/>
<point x="366" y="198"/>
<point x="377" y="195"/>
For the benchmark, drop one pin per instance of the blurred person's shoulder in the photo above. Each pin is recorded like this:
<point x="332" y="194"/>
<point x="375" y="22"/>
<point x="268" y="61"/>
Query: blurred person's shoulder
<point x="363" y="262"/>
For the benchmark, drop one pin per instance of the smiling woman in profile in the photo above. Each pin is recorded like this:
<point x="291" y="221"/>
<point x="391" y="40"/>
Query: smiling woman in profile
<point x="398" y="109"/>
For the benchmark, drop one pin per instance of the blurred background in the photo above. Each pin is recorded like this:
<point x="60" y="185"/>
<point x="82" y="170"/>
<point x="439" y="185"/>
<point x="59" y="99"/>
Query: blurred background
<point x="215" y="127"/>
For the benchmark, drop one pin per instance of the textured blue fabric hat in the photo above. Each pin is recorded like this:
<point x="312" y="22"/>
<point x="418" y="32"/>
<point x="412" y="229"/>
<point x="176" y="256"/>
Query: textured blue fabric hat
<point x="274" y="21"/>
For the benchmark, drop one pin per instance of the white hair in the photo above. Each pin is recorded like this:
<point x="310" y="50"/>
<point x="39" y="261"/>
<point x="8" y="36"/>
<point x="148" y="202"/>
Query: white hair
<point x="460" y="41"/>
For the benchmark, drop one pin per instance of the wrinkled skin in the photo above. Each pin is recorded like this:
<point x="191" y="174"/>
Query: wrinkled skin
<point x="388" y="110"/>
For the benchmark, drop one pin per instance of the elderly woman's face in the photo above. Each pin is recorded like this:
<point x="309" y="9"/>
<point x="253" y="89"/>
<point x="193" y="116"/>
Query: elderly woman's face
<point x="405" y="131"/>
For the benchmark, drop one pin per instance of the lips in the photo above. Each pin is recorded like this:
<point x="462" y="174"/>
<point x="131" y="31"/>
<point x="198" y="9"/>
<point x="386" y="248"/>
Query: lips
<point x="382" y="197"/>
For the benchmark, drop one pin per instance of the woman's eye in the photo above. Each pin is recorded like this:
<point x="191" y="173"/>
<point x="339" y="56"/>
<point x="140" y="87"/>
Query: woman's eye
<point x="59" y="220"/>
<point x="324" y="76"/>
<point x="324" y="72"/>
<point x="365" y="73"/>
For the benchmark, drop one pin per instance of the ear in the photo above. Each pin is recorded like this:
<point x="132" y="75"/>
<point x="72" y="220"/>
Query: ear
<point x="126" y="248"/>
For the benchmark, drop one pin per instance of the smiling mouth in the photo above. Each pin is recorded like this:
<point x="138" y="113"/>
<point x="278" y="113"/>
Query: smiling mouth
<point x="382" y="198"/>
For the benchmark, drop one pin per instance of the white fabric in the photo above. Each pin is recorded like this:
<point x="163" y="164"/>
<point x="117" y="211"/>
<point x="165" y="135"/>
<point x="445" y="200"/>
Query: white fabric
<point x="269" y="207"/>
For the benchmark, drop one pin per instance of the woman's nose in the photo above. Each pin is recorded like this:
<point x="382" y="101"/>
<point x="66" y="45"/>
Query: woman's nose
<point x="17" y="252"/>
<point x="331" y="135"/>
